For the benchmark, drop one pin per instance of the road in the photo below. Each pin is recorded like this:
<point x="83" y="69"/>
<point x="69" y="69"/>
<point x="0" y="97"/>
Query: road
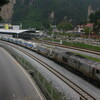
<point x="15" y="83"/>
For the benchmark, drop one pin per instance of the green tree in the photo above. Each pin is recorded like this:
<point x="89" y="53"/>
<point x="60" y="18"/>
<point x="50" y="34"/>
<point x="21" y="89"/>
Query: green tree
<point x="2" y="2"/>
<point x="72" y="9"/>
<point x="95" y="18"/>
<point x="65" y="26"/>
<point x="87" y="30"/>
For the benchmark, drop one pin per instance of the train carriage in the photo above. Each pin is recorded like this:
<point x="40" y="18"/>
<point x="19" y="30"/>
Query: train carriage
<point x="34" y="46"/>
<point x="96" y="70"/>
<point x="19" y="41"/>
<point x="57" y="54"/>
<point x="66" y="56"/>
<point x="45" y="51"/>
<point x="86" y="67"/>
<point x="4" y="38"/>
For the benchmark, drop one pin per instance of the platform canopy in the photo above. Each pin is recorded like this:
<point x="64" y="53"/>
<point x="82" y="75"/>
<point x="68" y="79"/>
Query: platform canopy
<point x="10" y="31"/>
<point x="26" y="34"/>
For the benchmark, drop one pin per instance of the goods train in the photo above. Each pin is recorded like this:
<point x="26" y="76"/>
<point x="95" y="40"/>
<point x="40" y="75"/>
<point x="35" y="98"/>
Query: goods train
<point x="86" y="67"/>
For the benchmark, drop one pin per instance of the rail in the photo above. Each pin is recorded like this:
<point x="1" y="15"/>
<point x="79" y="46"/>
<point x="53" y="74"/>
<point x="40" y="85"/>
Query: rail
<point x="83" y="94"/>
<point x="70" y="47"/>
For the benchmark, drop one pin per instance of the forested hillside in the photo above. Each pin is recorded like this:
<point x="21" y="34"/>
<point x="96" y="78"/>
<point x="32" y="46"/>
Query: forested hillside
<point x="40" y="13"/>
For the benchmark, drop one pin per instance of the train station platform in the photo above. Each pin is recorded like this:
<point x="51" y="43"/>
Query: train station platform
<point x="25" y="34"/>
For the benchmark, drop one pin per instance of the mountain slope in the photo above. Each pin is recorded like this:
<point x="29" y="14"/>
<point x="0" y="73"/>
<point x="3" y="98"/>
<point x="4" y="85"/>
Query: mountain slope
<point x="36" y="13"/>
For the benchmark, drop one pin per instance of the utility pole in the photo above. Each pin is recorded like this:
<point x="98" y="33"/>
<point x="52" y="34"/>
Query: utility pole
<point x="89" y="33"/>
<point x="20" y="25"/>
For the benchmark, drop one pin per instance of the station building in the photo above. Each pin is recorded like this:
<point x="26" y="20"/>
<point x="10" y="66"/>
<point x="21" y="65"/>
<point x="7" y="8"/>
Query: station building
<point x="25" y="34"/>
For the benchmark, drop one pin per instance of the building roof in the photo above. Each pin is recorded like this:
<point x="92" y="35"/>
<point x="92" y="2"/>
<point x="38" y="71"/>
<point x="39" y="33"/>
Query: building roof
<point x="80" y="26"/>
<point x="10" y="31"/>
<point x="89" y="25"/>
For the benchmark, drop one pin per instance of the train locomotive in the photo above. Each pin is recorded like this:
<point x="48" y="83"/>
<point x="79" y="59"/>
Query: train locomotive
<point x="89" y="68"/>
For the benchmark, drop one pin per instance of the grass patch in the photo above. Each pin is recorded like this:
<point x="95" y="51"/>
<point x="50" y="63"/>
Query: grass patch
<point x="55" y="40"/>
<point x="88" y="57"/>
<point x="91" y="58"/>
<point x="82" y="45"/>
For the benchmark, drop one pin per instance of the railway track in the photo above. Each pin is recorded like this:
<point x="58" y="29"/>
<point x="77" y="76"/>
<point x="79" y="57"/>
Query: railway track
<point x="70" y="47"/>
<point x="83" y="95"/>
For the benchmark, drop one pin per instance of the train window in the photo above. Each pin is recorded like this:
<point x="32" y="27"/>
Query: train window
<point x="64" y="59"/>
<point x="56" y="54"/>
<point x="98" y="71"/>
<point x="80" y="64"/>
<point x="69" y="53"/>
<point x="77" y="64"/>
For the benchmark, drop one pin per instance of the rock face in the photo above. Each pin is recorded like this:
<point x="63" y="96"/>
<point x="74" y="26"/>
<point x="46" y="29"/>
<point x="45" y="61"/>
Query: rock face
<point x="7" y="11"/>
<point x="27" y="2"/>
<point x="90" y="10"/>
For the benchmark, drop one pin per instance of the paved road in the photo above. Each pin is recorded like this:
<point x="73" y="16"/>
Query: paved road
<point x="15" y="83"/>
